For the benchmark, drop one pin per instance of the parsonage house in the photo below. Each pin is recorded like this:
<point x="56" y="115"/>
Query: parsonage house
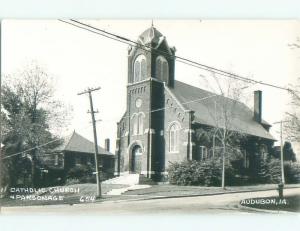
<point x="76" y="150"/>
<point x="163" y="116"/>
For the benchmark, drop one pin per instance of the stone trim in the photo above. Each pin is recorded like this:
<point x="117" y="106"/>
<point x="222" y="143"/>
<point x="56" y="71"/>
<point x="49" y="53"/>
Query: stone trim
<point x="177" y="101"/>
<point x="147" y="172"/>
<point x="136" y="83"/>
<point x="122" y="173"/>
<point x="186" y="143"/>
<point x="171" y="124"/>
<point x="155" y="80"/>
<point x="152" y="131"/>
<point x="164" y="173"/>
<point x="189" y="130"/>
<point x="135" y="142"/>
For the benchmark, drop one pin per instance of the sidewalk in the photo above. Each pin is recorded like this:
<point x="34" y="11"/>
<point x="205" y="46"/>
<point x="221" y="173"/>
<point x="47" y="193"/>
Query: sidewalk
<point x="173" y="191"/>
<point x="153" y="192"/>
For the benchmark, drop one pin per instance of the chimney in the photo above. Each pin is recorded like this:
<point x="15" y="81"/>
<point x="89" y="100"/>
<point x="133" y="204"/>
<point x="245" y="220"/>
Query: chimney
<point x="107" y="144"/>
<point x="257" y="106"/>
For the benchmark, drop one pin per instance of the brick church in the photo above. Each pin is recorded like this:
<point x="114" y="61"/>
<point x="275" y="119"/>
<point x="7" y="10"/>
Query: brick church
<point x="161" y="118"/>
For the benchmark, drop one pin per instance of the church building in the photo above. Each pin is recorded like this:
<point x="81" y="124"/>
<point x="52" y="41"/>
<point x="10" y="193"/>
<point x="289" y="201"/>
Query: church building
<point x="162" y="115"/>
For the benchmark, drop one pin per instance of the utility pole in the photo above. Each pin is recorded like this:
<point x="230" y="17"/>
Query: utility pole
<point x="281" y="150"/>
<point x="1" y="170"/>
<point x="98" y="180"/>
<point x="223" y="161"/>
<point x="281" y="154"/>
<point x="214" y="135"/>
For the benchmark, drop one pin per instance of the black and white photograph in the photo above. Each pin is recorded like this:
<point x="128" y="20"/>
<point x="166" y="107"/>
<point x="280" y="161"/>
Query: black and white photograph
<point x="147" y="117"/>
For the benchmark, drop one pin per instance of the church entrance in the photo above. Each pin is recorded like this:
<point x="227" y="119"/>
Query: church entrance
<point x="136" y="159"/>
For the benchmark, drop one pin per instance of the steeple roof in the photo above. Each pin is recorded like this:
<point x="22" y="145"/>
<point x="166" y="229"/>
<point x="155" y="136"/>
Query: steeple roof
<point x="151" y="36"/>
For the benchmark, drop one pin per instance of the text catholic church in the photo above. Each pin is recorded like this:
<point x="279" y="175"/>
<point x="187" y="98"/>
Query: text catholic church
<point x="158" y="126"/>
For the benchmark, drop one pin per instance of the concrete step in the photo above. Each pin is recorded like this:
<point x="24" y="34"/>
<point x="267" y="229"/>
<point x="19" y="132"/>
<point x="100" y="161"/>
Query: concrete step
<point x="127" y="179"/>
<point x="123" y="190"/>
<point x="143" y="180"/>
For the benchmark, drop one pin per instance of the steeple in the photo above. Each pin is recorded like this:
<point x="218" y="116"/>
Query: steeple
<point x="151" y="36"/>
<point x="154" y="58"/>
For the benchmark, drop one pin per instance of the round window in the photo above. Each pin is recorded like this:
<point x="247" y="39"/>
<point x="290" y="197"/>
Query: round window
<point x="138" y="102"/>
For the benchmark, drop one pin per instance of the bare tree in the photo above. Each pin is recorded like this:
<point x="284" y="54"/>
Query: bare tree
<point x="31" y="113"/>
<point x="292" y="125"/>
<point x="225" y="114"/>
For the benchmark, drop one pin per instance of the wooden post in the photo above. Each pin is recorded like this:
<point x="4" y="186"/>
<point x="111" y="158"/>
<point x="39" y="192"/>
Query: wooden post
<point x="281" y="154"/>
<point x="89" y="91"/>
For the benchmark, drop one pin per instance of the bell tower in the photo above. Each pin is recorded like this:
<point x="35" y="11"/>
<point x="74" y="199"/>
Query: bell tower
<point x="150" y="69"/>
<point x="152" y="59"/>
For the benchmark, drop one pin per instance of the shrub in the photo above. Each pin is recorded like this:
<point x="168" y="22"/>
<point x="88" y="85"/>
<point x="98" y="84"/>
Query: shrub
<point x="267" y="171"/>
<point x="181" y="173"/>
<point x="271" y="170"/>
<point x="292" y="172"/>
<point x="274" y="171"/>
<point x="81" y="174"/>
<point x="207" y="173"/>
<point x="72" y="181"/>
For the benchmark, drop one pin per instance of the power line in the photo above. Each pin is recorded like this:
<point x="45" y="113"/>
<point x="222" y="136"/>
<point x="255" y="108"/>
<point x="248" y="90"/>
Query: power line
<point x="45" y="144"/>
<point x="155" y="110"/>
<point x="89" y="92"/>
<point x="182" y="103"/>
<point x="184" y="60"/>
<point x="181" y="59"/>
<point x="35" y="147"/>
<point x="30" y="149"/>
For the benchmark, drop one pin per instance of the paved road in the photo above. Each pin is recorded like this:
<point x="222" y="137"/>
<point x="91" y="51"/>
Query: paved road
<point x="226" y="203"/>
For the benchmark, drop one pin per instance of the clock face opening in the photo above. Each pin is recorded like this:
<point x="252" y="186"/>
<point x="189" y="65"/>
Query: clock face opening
<point x="138" y="102"/>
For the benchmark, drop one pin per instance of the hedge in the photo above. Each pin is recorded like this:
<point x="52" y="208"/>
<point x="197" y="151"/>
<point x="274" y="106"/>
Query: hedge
<point x="207" y="173"/>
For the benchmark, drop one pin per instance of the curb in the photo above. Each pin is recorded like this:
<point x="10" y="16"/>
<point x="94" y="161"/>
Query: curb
<point x="264" y="210"/>
<point x="168" y="197"/>
<point x="205" y="194"/>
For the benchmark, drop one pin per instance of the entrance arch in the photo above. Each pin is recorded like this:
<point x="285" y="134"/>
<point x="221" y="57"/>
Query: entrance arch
<point x="136" y="159"/>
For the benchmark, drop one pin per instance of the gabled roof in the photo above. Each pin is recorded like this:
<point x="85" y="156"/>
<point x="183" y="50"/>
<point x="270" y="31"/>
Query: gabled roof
<point x="77" y="143"/>
<point x="206" y="111"/>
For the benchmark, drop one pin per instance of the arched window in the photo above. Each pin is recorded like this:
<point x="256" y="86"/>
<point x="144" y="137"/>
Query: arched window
<point x="134" y="121"/>
<point x="174" y="137"/>
<point x="162" y="69"/>
<point x="140" y="69"/>
<point x="136" y="71"/>
<point x="143" y="69"/>
<point x="137" y="123"/>
<point x="140" y="123"/>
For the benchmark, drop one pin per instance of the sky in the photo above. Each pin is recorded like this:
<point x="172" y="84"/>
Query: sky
<point x="78" y="59"/>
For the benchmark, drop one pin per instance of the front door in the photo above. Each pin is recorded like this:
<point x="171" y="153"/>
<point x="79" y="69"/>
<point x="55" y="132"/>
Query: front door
<point x="136" y="159"/>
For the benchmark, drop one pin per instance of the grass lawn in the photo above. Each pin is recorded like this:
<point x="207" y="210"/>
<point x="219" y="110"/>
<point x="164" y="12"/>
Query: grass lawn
<point x="175" y="190"/>
<point x="289" y="203"/>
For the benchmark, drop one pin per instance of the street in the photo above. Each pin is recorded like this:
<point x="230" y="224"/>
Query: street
<point x="213" y="204"/>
